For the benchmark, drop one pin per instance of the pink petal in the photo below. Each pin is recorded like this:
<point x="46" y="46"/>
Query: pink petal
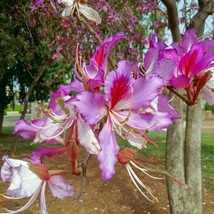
<point x="60" y="188"/>
<point x="145" y="90"/>
<point x="208" y="96"/>
<point x="189" y="63"/>
<point x="91" y="107"/>
<point x="26" y="130"/>
<point x="182" y="81"/>
<point x="75" y="85"/>
<point x="150" y="59"/>
<point x="189" y="39"/>
<point x="38" y="155"/>
<point x="164" y="106"/>
<point x="118" y="86"/>
<point x="108" y="154"/>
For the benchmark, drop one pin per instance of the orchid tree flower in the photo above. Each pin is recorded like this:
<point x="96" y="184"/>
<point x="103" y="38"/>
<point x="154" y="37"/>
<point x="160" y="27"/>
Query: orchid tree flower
<point x="194" y="60"/>
<point x="60" y="117"/>
<point x="121" y="108"/>
<point x="81" y="7"/>
<point x="126" y="158"/>
<point x="63" y="125"/>
<point x="29" y="180"/>
<point x="92" y="75"/>
<point x="39" y="3"/>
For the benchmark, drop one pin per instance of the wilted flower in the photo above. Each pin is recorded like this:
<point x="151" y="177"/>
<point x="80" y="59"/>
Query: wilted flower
<point x="28" y="180"/>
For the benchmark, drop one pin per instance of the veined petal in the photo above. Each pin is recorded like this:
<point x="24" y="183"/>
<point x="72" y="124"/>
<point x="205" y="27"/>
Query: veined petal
<point x="118" y="86"/>
<point x="188" y="40"/>
<point x="188" y="63"/>
<point x="7" y="168"/>
<point x="150" y="59"/>
<point x="87" y="138"/>
<point x="145" y="90"/>
<point x="164" y="106"/>
<point x="38" y="155"/>
<point x="75" y="85"/>
<point x="30" y="181"/>
<point x="165" y="69"/>
<point x="67" y="11"/>
<point x="208" y="96"/>
<point x="136" y="141"/>
<point x="26" y="130"/>
<point x="91" y="107"/>
<point x="43" y="207"/>
<point x="108" y="154"/>
<point x="60" y="188"/>
<point x="181" y="81"/>
<point x="90" y="13"/>
<point x="66" y="2"/>
<point x="97" y="68"/>
<point x="158" y="121"/>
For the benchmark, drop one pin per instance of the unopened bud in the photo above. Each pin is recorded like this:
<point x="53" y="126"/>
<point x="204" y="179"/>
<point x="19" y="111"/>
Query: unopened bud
<point x="125" y="155"/>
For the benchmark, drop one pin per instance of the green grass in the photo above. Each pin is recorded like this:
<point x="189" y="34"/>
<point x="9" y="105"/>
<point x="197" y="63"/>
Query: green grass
<point x="7" y="139"/>
<point x="207" y="157"/>
<point x="18" y="108"/>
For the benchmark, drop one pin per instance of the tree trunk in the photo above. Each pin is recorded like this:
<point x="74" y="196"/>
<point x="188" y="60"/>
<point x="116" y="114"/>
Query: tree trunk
<point x="3" y="102"/>
<point x="175" y="161"/>
<point x="174" y="139"/>
<point x="186" y="201"/>
<point x="26" y="100"/>
<point x="193" y="127"/>
<point x="1" y="119"/>
<point x="27" y="96"/>
<point x="193" y="159"/>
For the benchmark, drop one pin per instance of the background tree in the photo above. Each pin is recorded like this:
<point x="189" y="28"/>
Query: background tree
<point x="43" y="51"/>
<point x="184" y="159"/>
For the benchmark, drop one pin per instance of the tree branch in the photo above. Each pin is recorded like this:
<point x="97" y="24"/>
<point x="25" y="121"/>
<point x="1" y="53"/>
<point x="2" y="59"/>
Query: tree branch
<point x="206" y="8"/>
<point x="173" y="19"/>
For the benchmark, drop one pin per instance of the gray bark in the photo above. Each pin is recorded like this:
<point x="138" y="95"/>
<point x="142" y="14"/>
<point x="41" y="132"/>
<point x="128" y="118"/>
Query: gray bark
<point x="174" y="139"/>
<point x="184" y="160"/>
<point x="193" y="160"/>
<point x="175" y="161"/>
<point x="193" y="127"/>
<point x="27" y="96"/>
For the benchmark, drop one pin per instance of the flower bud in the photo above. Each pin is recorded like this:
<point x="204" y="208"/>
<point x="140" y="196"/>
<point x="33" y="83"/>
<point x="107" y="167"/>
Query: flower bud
<point x="125" y="155"/>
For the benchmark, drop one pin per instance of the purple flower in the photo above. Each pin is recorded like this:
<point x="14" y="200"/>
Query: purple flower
<point x="94" y="73"/>
<point x="123" y="103"/>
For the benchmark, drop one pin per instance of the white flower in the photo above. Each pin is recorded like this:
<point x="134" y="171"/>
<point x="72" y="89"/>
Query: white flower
<point x="28" y="180"/>
<point x="88" y="12"/>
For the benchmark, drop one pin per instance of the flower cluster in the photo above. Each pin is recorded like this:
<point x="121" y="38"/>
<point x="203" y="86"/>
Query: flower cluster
<point x="194" y="60"/>
<point x="105" y="102"/>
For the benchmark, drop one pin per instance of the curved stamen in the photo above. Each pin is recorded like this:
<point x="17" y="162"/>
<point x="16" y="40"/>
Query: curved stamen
<point x="138" y="183"/>
<point x="29" y="203"/>
<point x="144" y="170"/>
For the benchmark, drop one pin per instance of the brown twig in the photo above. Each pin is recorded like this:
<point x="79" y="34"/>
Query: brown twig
<point x="179" y="95"/>
<point x="83" y="166"/>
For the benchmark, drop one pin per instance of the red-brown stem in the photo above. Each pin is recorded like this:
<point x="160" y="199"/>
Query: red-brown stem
<point x="58" y="172"/>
